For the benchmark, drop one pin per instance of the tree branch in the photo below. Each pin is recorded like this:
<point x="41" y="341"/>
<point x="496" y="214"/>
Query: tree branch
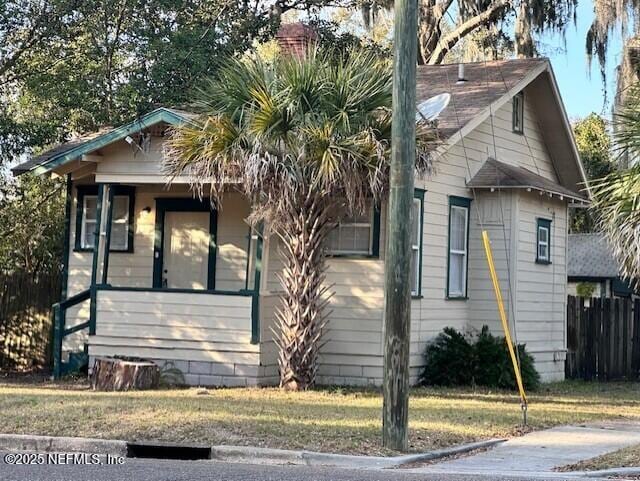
<point x="450" y="40"/>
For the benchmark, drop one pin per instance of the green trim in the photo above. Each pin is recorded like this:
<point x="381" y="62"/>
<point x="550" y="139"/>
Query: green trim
<point x="246" y="272"/>
<point x="255" y="302"/>
<point x="546" y="223"/>
<point x="375" y="242"/>
<point x="94" y="265"/>
<point x="107" y="237"/>
<point x="159" y="115"/>
<point x="519" y="112"/>
<point x="184" y="204"/>
<point x="242" y="293"/>
<point x="119" y="190"/>
<point x="67" y="238"/>
<point x="465" y="203"/>
<point x="419" y="194"/>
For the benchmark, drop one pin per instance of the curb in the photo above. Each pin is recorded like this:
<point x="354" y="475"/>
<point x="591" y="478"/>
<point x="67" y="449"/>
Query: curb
<point x="25" y="442"/>
<point x="236" y="454"/>
<point x="603" y="473"/>
<point x="252" y="455"/>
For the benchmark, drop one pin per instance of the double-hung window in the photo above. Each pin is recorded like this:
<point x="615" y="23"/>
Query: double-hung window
<point x="458" y="255"/>
<point x="543" y="242"/>
<point x="416" y="242"/>
<point x="121" y="221"/>
<point x="356" y="235"/>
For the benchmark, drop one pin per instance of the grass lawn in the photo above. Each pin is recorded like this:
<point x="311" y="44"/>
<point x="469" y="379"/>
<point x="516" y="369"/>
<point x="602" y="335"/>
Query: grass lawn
<point x="330" y="420"/>
<point x="624" y="458"/>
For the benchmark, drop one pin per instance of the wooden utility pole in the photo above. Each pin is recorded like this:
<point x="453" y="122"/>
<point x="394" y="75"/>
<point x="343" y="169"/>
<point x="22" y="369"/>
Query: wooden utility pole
<point x="395" y="415"/>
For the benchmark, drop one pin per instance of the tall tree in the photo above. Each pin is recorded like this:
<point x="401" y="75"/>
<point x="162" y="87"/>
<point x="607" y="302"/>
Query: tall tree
<point x="594" y="145"/>
<point x="617" y="196"/>
<point x="443" y="24"/>
<point x="298" y="134"/>
<point x="69" y="66"/>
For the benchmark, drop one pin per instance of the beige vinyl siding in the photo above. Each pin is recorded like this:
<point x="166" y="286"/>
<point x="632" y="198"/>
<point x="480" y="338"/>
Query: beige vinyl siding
<point x="492" y="138"/>
<point x="542" y="294"/>
<point x="135" y="269"/>
<point x="352" y="353"/>
<point x="496" y="210"/>
<point x="210" y="333"/>
<point x="233" y="232"/>
<point x="124" y="162"/>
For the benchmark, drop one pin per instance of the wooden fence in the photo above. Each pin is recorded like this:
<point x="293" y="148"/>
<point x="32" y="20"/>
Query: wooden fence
<point x="25" y="319"/>
<point x="603" y="338"/>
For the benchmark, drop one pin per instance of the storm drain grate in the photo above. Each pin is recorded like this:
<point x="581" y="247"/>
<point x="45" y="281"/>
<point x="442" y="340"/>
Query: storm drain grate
<point x="167" y="451"/>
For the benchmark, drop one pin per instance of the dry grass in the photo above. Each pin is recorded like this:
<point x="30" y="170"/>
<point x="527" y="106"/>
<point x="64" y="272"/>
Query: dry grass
<point x="623" y="458"/>
<point x="330" y="420"/>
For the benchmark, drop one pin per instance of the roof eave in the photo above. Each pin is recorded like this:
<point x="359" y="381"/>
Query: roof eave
<point x="575" y="197"/>
<point x="156" y="116"/>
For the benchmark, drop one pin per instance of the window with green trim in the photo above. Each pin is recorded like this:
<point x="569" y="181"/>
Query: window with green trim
<point x="356" y="235"/>
<point x="543" y="241"/>
<point x="416" y="243"/>
<point x="121" y="222"/>
<point x="458" y="254"/>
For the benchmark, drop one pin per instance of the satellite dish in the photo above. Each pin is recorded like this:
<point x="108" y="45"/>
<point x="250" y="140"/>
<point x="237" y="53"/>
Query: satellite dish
<point x="431" y="108"/>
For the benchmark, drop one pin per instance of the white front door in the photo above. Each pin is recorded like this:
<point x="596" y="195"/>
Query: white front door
<point x="186" y="250"/>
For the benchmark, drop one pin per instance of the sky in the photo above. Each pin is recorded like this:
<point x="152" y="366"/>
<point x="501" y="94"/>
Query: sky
<point x="581" y="87"/>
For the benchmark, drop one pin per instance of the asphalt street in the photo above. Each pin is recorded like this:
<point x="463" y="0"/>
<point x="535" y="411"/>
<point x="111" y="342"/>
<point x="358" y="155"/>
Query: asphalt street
<point x="165" y="470"/>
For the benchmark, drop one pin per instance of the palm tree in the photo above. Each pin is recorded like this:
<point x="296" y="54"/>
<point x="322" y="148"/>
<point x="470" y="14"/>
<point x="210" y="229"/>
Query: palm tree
<point x="616" y="197"/>
<point x="294" y="136"/>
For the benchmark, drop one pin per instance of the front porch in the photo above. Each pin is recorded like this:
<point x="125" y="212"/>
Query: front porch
<point x="157" y="274"/>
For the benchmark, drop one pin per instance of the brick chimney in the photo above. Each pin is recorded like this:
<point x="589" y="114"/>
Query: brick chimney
<point x="296" y="38"/>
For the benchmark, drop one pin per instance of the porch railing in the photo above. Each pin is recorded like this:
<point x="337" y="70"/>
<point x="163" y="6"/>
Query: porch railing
<point x="60" y="331"/>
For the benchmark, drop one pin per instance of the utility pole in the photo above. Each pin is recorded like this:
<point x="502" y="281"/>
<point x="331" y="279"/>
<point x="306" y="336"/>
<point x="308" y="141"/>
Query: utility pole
<point x="397" y="319"/>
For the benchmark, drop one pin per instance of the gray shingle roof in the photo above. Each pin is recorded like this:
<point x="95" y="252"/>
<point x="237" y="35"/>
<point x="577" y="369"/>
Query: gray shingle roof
<point x="589" y="255"/>
<point x="486" y="83"/>
<point x="494" y="174"/>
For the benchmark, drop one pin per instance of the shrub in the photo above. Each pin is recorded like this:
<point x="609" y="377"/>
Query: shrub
<point x="449" y="360"/>
<point x="455" y="360"/>
<point x="493" y="367"/>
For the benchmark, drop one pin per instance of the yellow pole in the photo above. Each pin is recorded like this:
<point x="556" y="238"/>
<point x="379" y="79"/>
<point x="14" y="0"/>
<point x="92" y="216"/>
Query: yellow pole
<point x="503" y="315"/>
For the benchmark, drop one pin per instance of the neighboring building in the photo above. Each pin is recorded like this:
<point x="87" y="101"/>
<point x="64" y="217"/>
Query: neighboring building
<point x="591" y="261"/>
<point x="183" y="283"/>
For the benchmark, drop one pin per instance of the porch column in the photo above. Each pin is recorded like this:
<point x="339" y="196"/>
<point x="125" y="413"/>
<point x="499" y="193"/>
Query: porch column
<point x="99" y="268"/>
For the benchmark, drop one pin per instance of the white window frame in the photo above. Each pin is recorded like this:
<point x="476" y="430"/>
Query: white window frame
<point x="83" y="243"/>
<point x="125" y="221"/>
<point x="540" y="243"/>
<point x="462" y="293"/>
<point x="351" y="252"/>
<point x="416" y="247"/>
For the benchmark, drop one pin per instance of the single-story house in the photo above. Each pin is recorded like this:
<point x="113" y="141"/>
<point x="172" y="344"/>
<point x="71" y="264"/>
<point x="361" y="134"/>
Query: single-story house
<point x="152" y="272"/>
<point x="591" y="261"/>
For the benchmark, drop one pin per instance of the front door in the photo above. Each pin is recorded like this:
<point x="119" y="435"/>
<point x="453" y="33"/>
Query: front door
<point x="186" y="250"/>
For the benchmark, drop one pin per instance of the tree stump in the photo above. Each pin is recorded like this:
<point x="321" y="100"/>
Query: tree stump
<point x="112" y="374"/>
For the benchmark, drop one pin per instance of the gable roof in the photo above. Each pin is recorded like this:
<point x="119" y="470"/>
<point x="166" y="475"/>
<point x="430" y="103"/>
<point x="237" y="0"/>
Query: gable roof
<point x="490" y="85"/>
<point x="91" y="142"/>
<point x="495" y="174"/>
<point x="590" y="256"/>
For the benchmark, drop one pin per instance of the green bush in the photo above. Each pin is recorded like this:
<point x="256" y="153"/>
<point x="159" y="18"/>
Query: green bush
<point x="449" y="360"/>
<point x="455" y="360"/>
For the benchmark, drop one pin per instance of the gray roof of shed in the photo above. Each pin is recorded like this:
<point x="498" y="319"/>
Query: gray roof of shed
<point x="496" y="174"/>
<point x="590" y="256"/>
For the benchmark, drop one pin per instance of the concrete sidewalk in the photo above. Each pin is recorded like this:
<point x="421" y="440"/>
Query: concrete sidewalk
<point x="542" y="451"/>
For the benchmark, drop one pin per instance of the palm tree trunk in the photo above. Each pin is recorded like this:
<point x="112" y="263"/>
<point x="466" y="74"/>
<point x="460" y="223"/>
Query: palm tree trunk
<point x="301" y="317"/>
